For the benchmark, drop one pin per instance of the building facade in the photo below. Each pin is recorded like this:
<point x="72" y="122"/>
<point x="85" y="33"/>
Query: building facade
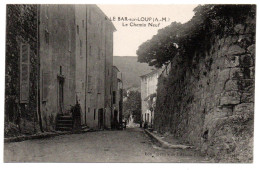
<point x="99" y="68"/>
<point x="117" y="98"/>
<point x="64" y="59"/>
<point x="148" y="96"/>
<point x="81" y="51"/>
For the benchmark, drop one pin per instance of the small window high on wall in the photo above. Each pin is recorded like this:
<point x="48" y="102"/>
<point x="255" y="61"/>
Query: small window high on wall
<point x="114" y="97"/>
<point x="24" y="72"/>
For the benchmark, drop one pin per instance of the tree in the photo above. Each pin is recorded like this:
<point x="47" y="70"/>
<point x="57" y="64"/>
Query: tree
<point x="196" y="34"/>
<point x="132" y="106"/>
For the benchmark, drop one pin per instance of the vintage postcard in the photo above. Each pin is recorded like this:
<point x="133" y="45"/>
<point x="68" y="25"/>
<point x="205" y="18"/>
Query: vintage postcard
<point x="130" y="83"/>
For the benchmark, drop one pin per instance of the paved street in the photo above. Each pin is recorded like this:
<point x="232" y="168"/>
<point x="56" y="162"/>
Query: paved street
<point x="131" y="145"/>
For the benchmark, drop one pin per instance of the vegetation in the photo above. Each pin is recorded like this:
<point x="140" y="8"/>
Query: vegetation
<point x="196" y="34"/>
<point x="21" y="25"/>
<point x="132" y="106"/>
<point x="131" y="70"/>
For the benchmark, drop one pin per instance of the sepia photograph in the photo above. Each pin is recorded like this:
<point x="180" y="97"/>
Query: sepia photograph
<point x="129" y="83"/>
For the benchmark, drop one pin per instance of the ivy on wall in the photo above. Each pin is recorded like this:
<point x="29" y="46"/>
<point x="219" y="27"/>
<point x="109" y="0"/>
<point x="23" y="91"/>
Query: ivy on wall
<point x="21" y="26"/>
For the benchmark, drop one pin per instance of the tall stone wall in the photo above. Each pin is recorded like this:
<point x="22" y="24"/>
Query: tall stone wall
<point x="208" y="100"/>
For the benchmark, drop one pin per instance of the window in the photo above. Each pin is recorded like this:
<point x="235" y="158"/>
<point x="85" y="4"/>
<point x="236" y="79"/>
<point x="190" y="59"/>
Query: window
<point x="94" y="114"/>
<point x="90" y="51"/>
<point x="114" y="97"/>
<point x="88" y="109"/>
<point x="24" y="72"/>
<point x="89" y="84"/>
<point x="47" y="36"/>
<point x="77" y="29"/>
<point x="69" y="40"/>
<point x="80" y="44"/>
<point x="82" y="84"/>
<point x="101" y="29"/>
<point x="45" y="85"/>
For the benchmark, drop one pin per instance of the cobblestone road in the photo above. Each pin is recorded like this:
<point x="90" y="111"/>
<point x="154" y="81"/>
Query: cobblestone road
<point x="130" y="145"/>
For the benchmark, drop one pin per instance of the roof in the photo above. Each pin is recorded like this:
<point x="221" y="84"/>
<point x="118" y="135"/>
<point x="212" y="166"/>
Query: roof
<point x="102" y="13"/>
<point x="151" y="73"/>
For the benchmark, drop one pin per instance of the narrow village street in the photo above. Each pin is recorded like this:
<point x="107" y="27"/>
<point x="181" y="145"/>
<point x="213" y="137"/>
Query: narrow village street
<point x="185" y="74"/>
<point x="130" y="145"/>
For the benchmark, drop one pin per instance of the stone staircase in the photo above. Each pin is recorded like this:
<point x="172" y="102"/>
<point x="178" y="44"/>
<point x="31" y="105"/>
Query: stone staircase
<point x="64" y="123"/>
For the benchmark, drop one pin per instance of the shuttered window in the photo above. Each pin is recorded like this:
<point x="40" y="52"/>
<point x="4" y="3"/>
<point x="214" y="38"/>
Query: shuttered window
<point x="45" y="85"/>
<point x="114" y="97"/>
<point x="24" y="72"/>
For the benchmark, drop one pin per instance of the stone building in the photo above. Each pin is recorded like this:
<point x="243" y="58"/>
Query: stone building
<point x="148" y="96"/>
<point x="99" y="69"/>
<point x="80" y="49"/>
<point x="66" y="64"/>
<point x="57" y="52"/>
<point x="117" y="98"/>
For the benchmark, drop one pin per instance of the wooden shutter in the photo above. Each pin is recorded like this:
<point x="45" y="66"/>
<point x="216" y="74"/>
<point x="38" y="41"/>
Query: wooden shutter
<point x="24" y="72"/>
<point x="114" y="97"/>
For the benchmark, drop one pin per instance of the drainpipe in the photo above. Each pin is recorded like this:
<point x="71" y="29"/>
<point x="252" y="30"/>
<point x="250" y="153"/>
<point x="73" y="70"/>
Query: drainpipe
<point x="86" y="75"/>
<point x="39" y="69"/>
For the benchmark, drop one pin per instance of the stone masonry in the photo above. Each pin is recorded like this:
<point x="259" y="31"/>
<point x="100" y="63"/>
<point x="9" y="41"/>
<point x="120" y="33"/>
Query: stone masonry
<point x="209" y="102"/>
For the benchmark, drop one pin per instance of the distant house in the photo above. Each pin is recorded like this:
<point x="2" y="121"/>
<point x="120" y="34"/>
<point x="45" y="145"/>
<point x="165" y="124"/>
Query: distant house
<point x="148" y="96"/>
<point x="117" y="99"/>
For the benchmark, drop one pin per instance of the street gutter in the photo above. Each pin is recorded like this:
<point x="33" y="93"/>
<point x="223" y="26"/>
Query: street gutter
<point x="165" y="144"/>
<point x="44" y="135"/>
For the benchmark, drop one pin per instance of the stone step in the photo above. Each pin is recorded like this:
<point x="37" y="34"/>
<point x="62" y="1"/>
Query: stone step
<point x="64" y="125"/>
<point x="65" y="121"/>
<point x="64" y="118"/>
<point x="64" y="128"/>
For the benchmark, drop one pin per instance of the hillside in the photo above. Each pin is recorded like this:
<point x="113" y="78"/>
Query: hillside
<point x="131" y="70"/>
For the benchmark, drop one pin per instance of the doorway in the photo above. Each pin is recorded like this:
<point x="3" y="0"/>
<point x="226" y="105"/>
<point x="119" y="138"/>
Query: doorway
<point x="100" y="118"/>
<point x="115" y="119"/>
<point x="61" y="94"/>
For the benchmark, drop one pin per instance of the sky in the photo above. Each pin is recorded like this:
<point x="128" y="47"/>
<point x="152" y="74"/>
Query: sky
<point x="129" y="36"/>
